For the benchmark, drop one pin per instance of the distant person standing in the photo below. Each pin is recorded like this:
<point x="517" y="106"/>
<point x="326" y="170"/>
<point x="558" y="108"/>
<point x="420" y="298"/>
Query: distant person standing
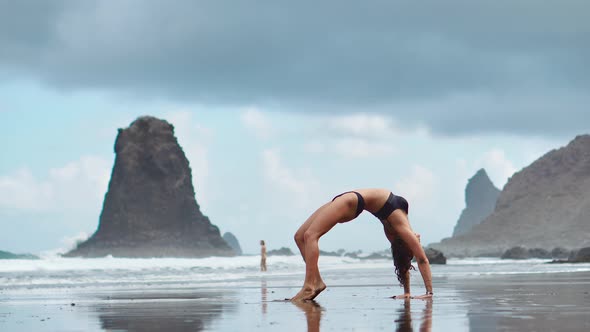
<point x="262" y="256"/>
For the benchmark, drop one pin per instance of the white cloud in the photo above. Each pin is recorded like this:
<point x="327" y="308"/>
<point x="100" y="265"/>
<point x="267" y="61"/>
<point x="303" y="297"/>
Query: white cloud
<point x="314" y="147"/>
<point x="92" y="169"/>
<point x="351" y="147"/>
<point x="20" y="190"/>
<point x="67" y="243"/>
<point x="194" y="139"/>
<point x="363" y="125"/>
<point x="257" y="122"/>
<point x="279" y="174"/>
<point x="298" y="184"/>
<point x="358" y="135"/>
<point x="70" y="242"/>
<point x="494" y="161"/>
<point x="78" y="185"/>
<point x="419" y="186"/>
<point x="361" y="148"/>
<point x="497" y="166"/>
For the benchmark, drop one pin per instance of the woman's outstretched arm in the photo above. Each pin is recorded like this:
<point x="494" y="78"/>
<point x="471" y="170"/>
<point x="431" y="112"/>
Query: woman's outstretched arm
<point x="391" y="237"/>
<point x="406" y="294"/>
<point x="402" y="228"/>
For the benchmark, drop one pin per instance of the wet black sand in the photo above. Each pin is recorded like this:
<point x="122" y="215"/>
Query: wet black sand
<point x="520" y="302"/>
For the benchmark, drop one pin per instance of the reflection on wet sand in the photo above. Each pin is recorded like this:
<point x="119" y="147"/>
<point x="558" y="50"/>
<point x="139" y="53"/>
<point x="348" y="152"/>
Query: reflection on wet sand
<point x="263" y="296"/>
<point x="313" y="314"/>
<point x="161" y="312"/>
<point x="404" y="321"/>
<point x="546" y="302"/>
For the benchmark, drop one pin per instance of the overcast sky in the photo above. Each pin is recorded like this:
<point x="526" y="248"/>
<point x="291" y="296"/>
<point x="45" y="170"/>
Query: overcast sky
<point x="281" y="105"/>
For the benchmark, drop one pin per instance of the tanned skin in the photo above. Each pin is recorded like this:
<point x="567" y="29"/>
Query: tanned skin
<point x="342" y="210"/>
<point x="262" y="256"/>
<point x="397" y="225"/>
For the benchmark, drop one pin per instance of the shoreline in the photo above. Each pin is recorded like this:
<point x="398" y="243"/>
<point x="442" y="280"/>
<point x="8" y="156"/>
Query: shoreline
<point x="356" y="299"/>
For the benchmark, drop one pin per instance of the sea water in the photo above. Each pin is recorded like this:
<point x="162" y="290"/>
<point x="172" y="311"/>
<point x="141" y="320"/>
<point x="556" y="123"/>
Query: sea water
<point x="230" y="293"/>
<point x="53" y="272"/>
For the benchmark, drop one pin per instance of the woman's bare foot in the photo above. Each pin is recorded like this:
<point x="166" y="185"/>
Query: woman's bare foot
<point x="309" y="292"/>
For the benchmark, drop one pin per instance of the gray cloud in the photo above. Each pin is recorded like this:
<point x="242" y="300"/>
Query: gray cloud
<point x="454" y="66"/>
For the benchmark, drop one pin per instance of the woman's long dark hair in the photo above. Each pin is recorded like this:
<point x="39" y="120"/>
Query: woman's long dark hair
<point x="402" y="259"/>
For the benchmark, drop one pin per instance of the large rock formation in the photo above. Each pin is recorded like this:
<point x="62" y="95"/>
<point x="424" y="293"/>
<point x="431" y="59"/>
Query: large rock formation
<point x="576" y="256"/>
<point x="435" y="256"/>
<point x="581" y="256"/>
<point x="515" y="253"/>
<point x="150" y="208"/>
<point x="480" y="200"/>
<point x="283" y="251"/>
<point x="545" y="205"/>
<point x="233" y="242"/>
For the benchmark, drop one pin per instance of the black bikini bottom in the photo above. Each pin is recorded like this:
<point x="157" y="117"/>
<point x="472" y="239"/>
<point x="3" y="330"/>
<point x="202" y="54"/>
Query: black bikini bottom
<point x="360" y="205"/>
<point x="393" y="203"/>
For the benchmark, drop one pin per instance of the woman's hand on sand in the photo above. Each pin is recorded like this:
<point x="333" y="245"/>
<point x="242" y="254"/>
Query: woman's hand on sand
<point x="403" y="296"/>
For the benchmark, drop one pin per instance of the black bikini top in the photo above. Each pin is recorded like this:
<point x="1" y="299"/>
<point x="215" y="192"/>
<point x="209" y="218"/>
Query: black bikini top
<point x="393" y="203"/>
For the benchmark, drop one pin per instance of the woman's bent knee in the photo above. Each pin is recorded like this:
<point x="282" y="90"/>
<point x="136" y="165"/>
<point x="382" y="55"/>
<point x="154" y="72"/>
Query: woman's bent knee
<point x="298" y="238"/>
<point x="310" y="236"/>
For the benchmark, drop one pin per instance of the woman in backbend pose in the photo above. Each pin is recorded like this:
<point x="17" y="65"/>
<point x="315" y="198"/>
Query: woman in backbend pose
<point x="390" y="209"/>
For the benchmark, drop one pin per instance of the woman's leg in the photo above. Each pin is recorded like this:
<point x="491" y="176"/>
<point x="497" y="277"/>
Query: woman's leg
<point x="299" y="235"/>
<point x="340" y="210"/>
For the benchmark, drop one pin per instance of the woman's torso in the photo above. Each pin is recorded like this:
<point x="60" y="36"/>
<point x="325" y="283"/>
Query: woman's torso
<point x="374" y="198"/>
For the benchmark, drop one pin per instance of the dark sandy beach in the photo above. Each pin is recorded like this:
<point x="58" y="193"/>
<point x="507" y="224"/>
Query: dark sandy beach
<point x="519" y="302"/>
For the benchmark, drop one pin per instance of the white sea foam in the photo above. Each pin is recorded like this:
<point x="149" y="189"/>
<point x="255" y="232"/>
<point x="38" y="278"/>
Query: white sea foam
<point x="94" y="273"/>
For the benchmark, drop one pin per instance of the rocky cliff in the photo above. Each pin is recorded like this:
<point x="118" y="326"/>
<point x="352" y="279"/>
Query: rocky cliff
<point x="233" y="242"/>
<point x="480" y="200"/>
<point x="545" y="205"/>
<point x="150" y="208"/>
